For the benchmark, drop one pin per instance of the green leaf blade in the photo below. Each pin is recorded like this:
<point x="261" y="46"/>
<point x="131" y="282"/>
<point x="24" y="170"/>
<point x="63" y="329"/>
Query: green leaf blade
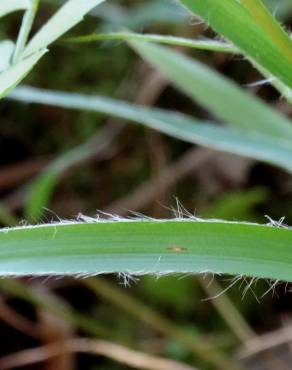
<point x="10" y="6"/>
<point x="215" y="92"/>
<point x="257" y="146"/>
<point x="6" y="51"/>
<point x="140" y="247"/>
<point x="15" y="74"/>
<point x="70" y="14"/>
<point x="235" y="22"/>
<point x="269" y="25"/>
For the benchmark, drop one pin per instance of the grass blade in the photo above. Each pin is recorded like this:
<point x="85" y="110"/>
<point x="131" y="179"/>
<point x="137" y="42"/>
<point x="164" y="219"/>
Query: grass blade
<point x="215" y="92"/>
<point x="269" y="25"/>
<point x="15" y="74"/>
<point x="204" y="44"/>
<point x="25" y="29"/>
<point x="70" y="14"/>
<point x="6" y="51"/>
<point x="233" y="19"/>
<point x="10" y="6"/>
<point x="147" y="247"/>
<point x="257" y="146"/>
<point x="176" y="125"/>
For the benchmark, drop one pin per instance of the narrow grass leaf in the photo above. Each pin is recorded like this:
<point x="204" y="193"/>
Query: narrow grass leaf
<point x="253" y="145"/>
<point x="245" y="24"/>
<point x="25" y="29"/>
<point x="70" y="14"/>
<point x="204" y="44"/>
<point x="139" y="247"/>
<point x="41" y="190"/>
<point x="179" y="126"/>
<point x="9" y="6"/>
<point x="269" y="25"/>
<point x="6" y="51"/>
<point x="15" y="74"/>
<point x="221" y="96"/>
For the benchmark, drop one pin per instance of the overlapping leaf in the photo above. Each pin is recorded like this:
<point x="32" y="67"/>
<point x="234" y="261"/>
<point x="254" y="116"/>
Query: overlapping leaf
<point x="253" y="145"/>
<point x="9" y="6"/>
<point x="14" y="74"/>
<point x="147" y="247"/>
<point x="250" y="26"/>
<point x="222" y="97"/>
<point x="70" y="14"/>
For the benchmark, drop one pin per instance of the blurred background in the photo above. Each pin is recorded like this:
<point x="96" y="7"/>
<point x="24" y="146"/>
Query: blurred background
<point x="118" y="322"/>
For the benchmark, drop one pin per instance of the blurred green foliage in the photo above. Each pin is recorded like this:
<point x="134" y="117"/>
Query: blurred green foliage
<point x="31" y="132"/>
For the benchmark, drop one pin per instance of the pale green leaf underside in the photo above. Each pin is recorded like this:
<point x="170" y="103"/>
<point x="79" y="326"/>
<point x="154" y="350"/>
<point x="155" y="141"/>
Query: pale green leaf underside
<point x="70" y="14"/>
<point x="257" y="146"/>
<point x="9" y="6"/>
<point x="148" y="247"/>
<point x="6" y="51"/>
<point x="13" y="75"/>
<point x="214" y="91"/>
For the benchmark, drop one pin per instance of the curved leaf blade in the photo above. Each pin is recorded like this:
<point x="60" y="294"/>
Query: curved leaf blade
<point x="270" y="26"/>
<point x="257" y="146"/>
<point x="6" y="51"/>
<point x="16" y="73"/>
<point x="236" y="20"/>
<point x="10" y="6"/>
<point x="214" y="91"/>
<point x="139" y="247"/>
<point x="70" y="14"/>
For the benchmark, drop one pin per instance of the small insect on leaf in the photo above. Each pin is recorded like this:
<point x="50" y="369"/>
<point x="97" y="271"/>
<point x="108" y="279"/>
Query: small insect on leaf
<point x="176" y="248"/>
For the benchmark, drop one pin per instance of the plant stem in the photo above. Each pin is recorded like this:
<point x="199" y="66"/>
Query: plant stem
<point x="25" y="29"/>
